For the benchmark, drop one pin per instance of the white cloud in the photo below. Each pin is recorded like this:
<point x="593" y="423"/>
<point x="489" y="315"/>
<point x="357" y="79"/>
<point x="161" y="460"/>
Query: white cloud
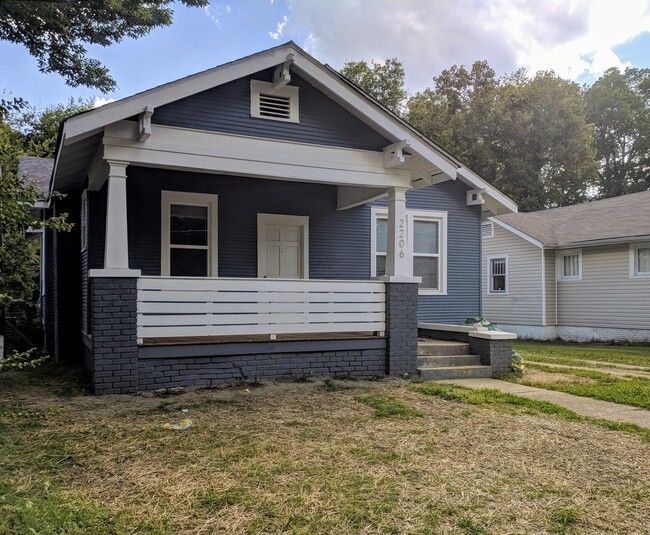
<point x="100" y="101"/>
<point x="280" y="29"/>
<point x="212" y="17"/>
<point x="573" y="37"/>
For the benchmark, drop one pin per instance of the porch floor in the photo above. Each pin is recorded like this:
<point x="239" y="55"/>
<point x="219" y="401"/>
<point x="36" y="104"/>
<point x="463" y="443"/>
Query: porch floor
<point x="192" y="340"/>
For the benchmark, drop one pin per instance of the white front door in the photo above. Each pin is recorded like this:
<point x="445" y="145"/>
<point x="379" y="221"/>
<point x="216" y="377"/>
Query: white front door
<point x="282" y="246"/>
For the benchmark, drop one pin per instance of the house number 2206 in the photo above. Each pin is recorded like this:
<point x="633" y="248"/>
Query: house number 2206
<point x="401" y="243"/>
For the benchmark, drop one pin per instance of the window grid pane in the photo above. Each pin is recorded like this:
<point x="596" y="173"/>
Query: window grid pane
<point x="571" y="265"/>
<point x="382" y="235"/>
<point x="643" y="260"/>
<point x="425" y="237"/>
<point x="497" y="275"/>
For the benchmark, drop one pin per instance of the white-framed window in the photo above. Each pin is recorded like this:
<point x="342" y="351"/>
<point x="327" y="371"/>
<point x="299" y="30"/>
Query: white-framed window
<point x="188" y="234"/>
<point x="497" y="274"/>
<point x="487" y="229"/>
<point x="279" y="104"/>
<point x="640" y="260"/>
<point x="83" y="220"/>
<point x="569" y="264"/>
<point x="426" y="232"/>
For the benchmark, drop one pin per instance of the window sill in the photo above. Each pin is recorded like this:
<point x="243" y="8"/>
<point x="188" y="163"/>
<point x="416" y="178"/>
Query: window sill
<point x="497" y="293"/>
<point x="431" y="292"/>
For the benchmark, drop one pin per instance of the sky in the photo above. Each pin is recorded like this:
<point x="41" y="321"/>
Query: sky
<point x="578" y="39"/>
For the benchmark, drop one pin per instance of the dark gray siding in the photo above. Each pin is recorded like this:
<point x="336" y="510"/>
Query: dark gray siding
<point x="339" y="242"/>
<point x="463" y="253"/>
<point x="227" y="109"/>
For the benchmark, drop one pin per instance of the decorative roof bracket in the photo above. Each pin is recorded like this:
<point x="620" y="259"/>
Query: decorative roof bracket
<point x="394" y="154"/>
<point x="281" y="75"/>
<point x="144" y="124"/>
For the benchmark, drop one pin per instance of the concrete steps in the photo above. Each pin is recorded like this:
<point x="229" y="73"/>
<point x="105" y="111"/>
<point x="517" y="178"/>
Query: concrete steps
<point x="439" y="360"/>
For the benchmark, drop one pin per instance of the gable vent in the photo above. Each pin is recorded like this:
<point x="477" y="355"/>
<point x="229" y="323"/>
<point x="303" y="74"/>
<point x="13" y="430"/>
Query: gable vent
<point x="276" y="107"/>
<point x="275" y="103"/>
<point x="487" y="229"/>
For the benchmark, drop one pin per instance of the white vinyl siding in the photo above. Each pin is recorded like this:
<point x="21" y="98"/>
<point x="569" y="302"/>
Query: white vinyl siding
<point x="549" y="268"/>
<point x="606" y="296"/>
<point x="522" y="305"/>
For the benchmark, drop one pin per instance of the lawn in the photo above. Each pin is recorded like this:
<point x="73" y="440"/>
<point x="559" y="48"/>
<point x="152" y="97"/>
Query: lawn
<point x="573" y="354"/>
<point x="318" y="457"/>
<point x="634" y="391"/>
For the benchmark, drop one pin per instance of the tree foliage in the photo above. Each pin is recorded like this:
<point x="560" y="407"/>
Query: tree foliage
<point x="618" y="104"/>
<point x="57" y="32"/>
<point x="383" y="81"/>
<point x="526" y="135"/>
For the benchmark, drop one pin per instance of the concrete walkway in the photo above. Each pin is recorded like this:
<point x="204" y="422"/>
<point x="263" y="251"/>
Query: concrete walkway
<point x="592" y="408"/>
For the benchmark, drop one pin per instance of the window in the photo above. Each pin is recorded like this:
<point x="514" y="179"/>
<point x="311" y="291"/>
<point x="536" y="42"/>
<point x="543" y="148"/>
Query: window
<point x="497" y="267"/>
<point x="640" y="260"/>
<point x="569" y="265"/>
<point x="487" y="230"/>
<point x="189" y="234"/>
<point x="427" y="247"/>
<point x="83" y="220"/>
<point x="279" y="104"/>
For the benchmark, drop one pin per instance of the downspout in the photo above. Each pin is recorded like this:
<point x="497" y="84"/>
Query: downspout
<point x="543" y="289"/>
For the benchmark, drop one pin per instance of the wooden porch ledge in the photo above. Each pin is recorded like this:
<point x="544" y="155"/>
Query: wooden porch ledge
<point x="235" y="339"/>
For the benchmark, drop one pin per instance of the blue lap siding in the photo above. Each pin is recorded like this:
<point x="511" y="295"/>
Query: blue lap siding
<point x="227" y="109"/>
<point x="463" y="253"/>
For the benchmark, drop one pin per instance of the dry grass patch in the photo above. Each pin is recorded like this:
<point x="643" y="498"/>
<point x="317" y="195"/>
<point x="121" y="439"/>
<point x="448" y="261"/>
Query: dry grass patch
<point x="317" y="458"/>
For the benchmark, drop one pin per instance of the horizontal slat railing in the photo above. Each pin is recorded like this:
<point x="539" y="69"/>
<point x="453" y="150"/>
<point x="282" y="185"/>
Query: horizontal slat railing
<point x="184" y="307"/>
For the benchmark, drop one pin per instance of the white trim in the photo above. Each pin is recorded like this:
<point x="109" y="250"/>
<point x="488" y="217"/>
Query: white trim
<point x="439" y="216"/>
<point x="291" y="92"/>
<point x="83" y="220"/>
<point x="282" y="219"/>
<point x="167" y="198"/>
<point x="543" y="289"/>
<point x="517" y="232"/>
<point x="213" y="152"/>
<point x="114" y="273"/>
<point x="559" y="264"/>
<point x="490" y="225"/>
<point x="634" y="251"/>
<point x="489" y="274"/>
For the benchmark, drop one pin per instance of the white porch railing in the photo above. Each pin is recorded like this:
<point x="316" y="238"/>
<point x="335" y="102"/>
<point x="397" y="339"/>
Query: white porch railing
<point x="180" y="307"/>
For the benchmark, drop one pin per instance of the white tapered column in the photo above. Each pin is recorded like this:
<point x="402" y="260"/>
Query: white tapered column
<point x="116" y="247"/>
<point x="398" y="259"/>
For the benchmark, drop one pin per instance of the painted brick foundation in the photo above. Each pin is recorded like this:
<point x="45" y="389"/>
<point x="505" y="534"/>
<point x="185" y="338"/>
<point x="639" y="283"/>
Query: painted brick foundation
<point x="114" y="362"/>
<point x="402" y="327"/>
<point x="494" y="353"/>
<point x="155" y="373"/>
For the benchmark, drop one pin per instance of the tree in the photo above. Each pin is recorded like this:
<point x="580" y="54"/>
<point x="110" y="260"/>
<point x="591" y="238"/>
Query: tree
<point x="527" y="136"/>
<point x="383" y="81"/>
<point x="18" y="196"/>
<point x="56" y="32"/>
<point x="619" y="106"/>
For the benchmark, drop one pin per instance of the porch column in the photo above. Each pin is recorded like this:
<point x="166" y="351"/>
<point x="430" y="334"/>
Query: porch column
<point x="398" y="261"/>
<point x="401" y="290"/>
<point x="112" y="352"/>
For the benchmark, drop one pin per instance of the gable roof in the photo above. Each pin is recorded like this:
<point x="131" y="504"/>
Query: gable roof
<point x="84" y="129"/>
<point x="36" y="170"/>
<point x="624" y="218"/>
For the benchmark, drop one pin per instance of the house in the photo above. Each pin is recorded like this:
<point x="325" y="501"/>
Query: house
<point x="263" y="218"/>
<point x="578" y="273"/>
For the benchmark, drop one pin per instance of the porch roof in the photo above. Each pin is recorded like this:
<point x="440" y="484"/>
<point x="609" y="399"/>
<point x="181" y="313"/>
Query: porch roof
<point x="428" y="163"/>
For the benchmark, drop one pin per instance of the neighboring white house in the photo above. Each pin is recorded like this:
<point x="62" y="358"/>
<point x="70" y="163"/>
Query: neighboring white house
<point x="578" y="273"/>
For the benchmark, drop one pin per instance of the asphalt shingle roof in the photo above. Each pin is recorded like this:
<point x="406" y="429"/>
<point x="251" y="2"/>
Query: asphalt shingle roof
<point x="627" y="216"/>
<point x="38" y="170"/>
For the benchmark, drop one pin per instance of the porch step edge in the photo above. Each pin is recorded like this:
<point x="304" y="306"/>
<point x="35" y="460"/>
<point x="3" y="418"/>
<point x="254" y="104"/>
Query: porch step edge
<point x="455" y="372"/>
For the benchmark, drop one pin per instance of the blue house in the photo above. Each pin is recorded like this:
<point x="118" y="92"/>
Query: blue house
<point x="263" y="218"/>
